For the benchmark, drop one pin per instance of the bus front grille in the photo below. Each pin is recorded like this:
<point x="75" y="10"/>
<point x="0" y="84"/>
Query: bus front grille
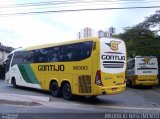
<point x="84" y="83"/>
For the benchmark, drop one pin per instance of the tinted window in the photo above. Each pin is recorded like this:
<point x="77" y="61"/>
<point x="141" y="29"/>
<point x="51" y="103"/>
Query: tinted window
<point x="71" y="52"/>
<point x="7" y="63"/>
<point x="17" y="58"/>
<point x="131" y="64"/>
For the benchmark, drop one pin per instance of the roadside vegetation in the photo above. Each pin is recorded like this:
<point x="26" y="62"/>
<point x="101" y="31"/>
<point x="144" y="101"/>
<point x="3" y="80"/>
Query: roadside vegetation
<point x="144" y="38"/>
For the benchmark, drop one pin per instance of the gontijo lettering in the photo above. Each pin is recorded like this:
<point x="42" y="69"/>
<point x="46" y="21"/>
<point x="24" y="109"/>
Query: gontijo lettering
<point x="112" y="57"/>
<point x="50" y="67"/>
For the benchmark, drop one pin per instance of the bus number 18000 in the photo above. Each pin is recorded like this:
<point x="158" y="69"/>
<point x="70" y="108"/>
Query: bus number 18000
<point x="80" y="67"/>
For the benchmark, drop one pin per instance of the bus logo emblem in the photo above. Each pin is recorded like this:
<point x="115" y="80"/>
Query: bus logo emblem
<point x="113" y="45"/>
<point x="147" y="60"/>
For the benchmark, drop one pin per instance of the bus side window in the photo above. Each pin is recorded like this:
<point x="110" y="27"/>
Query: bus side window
<point x="16" y="58"/>
<point x="70" y="56"/>
<point x="54" y="57"/>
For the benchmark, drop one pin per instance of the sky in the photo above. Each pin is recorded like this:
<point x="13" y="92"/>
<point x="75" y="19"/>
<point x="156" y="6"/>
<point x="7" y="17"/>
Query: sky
<point x="35" y="29"/>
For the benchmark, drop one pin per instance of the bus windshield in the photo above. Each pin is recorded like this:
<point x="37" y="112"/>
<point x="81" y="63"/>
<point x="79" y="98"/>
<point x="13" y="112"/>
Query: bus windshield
<point x="6" y="63"/>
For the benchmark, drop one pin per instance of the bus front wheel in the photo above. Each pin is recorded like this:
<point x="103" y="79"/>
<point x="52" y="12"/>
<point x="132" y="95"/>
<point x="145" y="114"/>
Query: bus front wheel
<point x="14" y="83"/>
<point x="66" y="91"/>
<point x="55" y="91"/>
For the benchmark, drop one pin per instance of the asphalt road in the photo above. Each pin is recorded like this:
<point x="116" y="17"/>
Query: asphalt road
<point x="137" y="100"/>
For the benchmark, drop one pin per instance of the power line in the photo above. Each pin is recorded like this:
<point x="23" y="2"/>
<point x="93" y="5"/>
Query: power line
<point x="32" y="4"/>
<point x="73" y="2"/>
<point x="48" y="6"/>
<point x="84" y="5"/>
<point x="75" y="10"/>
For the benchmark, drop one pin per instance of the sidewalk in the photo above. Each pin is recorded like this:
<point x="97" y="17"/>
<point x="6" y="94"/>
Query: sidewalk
<point x="6" y="98"/>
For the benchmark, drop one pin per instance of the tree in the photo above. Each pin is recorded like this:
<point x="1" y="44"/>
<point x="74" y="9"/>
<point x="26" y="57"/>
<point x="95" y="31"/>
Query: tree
<point x="140" y="39"/>
<point x="143" y="38"/>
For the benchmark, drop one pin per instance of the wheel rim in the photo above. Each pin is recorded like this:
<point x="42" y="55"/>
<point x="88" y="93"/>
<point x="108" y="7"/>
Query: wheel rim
<point x="67" y="91"/>
<point x="54" y="89"/>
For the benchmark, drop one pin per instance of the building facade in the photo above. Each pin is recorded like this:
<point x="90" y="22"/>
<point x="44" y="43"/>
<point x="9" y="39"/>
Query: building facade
<point x="86" y="33"/>
<point x="112" y="31"/>
<point x="102" y="33"/>
<point x="4" y="51"/>
<point x="89" y="32"/>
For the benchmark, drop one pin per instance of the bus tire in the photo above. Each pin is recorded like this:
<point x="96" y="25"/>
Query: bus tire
<point x="93" y="97"/>
<point x="66" y="91"/>
<point x="130" y="84"/>
<point x="54" y="89"/>
<point x="127" y="83"/>
<point x="14" y="83"/>
<point x="149" y="87"/>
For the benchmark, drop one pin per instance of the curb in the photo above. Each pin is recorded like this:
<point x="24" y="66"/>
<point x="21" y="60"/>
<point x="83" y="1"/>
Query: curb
<point x="25" y="103"/>
<point x="26" y="100"/>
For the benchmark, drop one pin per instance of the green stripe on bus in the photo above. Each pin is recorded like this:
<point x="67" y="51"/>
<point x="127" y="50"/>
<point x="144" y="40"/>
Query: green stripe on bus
<point x="31" y="74"/>
<point x="24" y="73"/>
<point x="27" y="73"/>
